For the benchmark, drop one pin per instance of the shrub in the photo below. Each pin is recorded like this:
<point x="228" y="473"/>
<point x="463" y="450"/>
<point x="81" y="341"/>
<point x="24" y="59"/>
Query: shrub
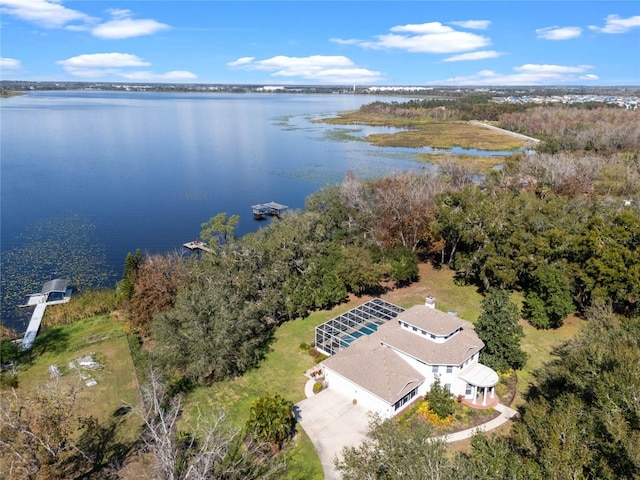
<point x="440" y="399"/>
<point x="426" y="412"/>
<point x="304" y="347"/>
<point x="317" y="387"/>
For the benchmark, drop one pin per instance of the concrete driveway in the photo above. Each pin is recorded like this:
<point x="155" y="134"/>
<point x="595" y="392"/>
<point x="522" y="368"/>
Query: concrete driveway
<point x="332" y="423"/>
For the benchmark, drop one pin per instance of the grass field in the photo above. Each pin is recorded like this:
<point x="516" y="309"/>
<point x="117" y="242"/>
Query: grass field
<point x="424" y="131"/>
<point x="105" y="340"/>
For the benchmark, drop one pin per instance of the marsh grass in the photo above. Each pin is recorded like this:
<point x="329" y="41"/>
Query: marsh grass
<point x="423" y="131"/>
<point x="85" y="305"/>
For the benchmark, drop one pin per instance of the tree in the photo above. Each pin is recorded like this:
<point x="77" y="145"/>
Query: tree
<point x="131" y="264"/>
<point x="491" y="458"/>
<point x="498" y="328"/>
<point x="441" y="401"/>
<point x="395" y="450"/>
<point x="219" y="229"/>
<point x="155" y="288"/>
<point x="549" y="301"/>
<point x="357" y="269"/>
<point x="271" y="419"/>
<point x="206" y="448"/>
<point x="36" y="434"/>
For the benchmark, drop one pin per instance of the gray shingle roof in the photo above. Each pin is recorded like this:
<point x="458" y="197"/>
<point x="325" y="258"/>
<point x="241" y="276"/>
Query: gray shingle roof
<point x="432" y="320"/>
<point x="376" y="368"/>
<point x="373" y="362"/>
<point x="453" y="351"/>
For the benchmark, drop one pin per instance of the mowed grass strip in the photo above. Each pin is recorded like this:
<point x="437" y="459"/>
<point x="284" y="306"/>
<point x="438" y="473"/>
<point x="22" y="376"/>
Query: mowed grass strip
<point x="116" y="381"/>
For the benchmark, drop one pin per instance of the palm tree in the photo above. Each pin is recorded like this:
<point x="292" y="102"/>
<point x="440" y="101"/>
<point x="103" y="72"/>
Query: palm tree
<point x="271" y="419"/>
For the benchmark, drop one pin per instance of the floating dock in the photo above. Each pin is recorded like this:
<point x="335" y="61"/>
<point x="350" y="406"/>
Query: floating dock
<point x="197" y="245"/>
<point x="53" y="292"/>
<point x="272" y="209"/>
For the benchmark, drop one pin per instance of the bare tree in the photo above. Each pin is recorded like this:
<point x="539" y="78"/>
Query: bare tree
<point x="206" y="448"/>
<point x="36" y="433"/>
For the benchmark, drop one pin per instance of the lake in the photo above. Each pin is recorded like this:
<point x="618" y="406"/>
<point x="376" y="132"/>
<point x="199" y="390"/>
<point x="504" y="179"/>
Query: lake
<point x="144" y="170"/>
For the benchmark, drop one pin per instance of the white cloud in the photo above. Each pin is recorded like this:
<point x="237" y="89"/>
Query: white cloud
<point x="615" y="24"/>
<point x="345" y="41"/>
<point x="100" y="65"/>
<point x="123" y="26"/>
<point x="10" y="64"/>
<point x="175" y="75"/>
<point x="559" y="33"/>
<point x="319" y="68"/>
<point x="93" y="60"/>
<point x="241" y="61"/>
<point x="424" y="28"/>
<point x="46" y="13"/>
<point x="479" y="55"/>
<point x="52" y="14"/>
<point x="530" y="67"/>
<point x="528" y="74"/>
<point x="431" y="37"/>
<point x="473" y="24"/>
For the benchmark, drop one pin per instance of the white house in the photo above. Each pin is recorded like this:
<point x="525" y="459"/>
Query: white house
<point x="401" y="358"/>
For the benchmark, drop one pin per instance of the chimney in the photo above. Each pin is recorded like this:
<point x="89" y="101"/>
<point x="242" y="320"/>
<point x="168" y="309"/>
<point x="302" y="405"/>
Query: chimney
<point x="430" y="302"/>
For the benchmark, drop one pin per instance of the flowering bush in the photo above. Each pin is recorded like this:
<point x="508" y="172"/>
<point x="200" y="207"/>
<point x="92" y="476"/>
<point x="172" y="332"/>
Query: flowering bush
<point x="425" y="412"/>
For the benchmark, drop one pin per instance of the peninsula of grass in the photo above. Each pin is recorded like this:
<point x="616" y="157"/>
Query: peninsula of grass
<point x="418" y="132"/>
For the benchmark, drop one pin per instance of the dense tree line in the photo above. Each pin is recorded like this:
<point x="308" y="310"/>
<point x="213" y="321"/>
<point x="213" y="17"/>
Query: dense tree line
<point x="602" y="130"/>
<point x="557" y="250"/>
<point x="564" y="253"/>
<point x="472" y="107"/>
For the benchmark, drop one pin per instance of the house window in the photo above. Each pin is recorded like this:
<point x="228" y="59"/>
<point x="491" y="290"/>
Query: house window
<point x="415" y="329"/>
<point x="404" y="400"/>
<point x="468" y="390"/>
<point x="447" y="386"/>
<point x="434" y="369"/>
<point x="449" y="369"/>
<point x="433" y="336"/>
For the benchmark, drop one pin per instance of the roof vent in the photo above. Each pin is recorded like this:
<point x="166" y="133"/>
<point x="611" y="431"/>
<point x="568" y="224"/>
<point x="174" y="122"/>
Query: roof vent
<point x="430" y="302"/>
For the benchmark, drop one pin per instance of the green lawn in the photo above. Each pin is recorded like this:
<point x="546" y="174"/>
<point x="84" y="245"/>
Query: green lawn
<point x="101" y="336"/>
<point x="538" y="344"/>
<point x="281" y="372"/>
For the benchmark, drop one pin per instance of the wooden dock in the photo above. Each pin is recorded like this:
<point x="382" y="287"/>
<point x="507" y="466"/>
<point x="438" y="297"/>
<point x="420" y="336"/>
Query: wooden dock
<point x="197" y="245"/>
<point x="272" y="209"/>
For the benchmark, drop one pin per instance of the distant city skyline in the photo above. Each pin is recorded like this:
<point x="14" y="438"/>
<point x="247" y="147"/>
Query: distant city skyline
<point x="452" y="43"/>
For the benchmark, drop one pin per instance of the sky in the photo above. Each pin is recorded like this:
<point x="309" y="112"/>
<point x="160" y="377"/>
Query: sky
<point x="412" y="43"/>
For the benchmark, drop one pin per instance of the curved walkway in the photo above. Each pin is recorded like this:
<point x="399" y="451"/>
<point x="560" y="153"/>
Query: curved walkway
<point x="332" y="422"/>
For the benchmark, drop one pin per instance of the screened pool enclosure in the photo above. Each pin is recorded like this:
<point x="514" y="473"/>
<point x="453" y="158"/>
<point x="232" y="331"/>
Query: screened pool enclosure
<point x="340" y="331"/>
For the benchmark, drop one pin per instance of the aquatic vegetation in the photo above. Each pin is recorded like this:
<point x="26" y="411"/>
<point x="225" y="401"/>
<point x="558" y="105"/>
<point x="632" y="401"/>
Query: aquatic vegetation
<point x="57" y="247"/>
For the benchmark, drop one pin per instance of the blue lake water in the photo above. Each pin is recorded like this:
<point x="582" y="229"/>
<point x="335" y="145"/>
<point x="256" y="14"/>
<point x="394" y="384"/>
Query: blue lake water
<point x="146" y="169"/>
